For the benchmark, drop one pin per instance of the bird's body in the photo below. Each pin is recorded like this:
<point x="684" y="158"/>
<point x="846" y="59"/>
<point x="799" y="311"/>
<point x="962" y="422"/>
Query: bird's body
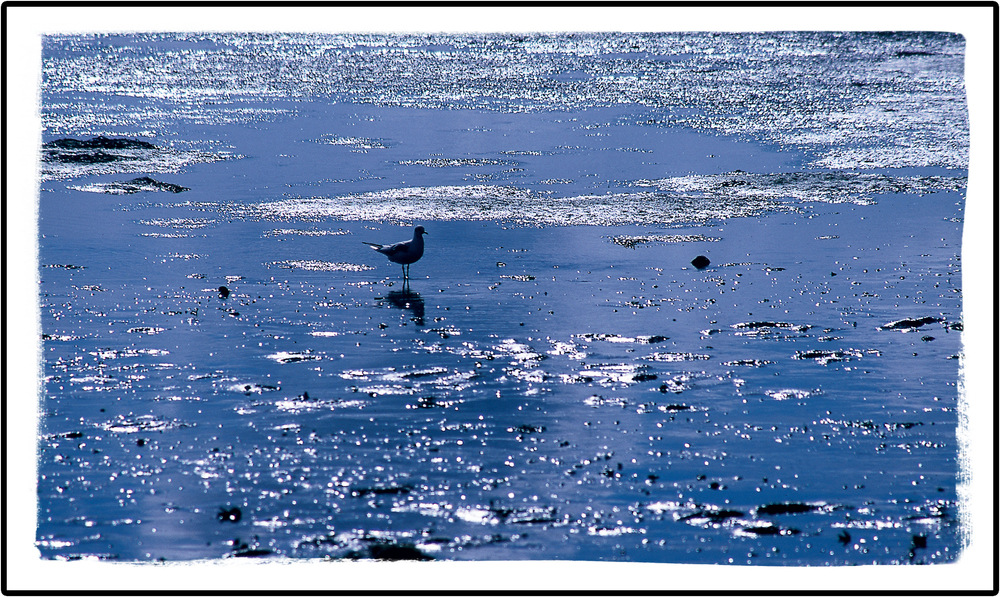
<point x="404" y="253"/>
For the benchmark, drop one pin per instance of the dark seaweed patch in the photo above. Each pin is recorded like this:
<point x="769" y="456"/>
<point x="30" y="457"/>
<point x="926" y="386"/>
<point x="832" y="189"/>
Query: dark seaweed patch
<point x="97" y="157"/>
<point x="383" y="490"/>
<point x="767" y="325"/>
<point x="616" y="338"/>
<point x="99" y="150"/>
<point x="787" y="508"/>
<point x="828" y="356"/>
<point x="748" y="363"/>
<point x="99" y="142"/>
<point x="527" y="515"/>
<point x="712" y="514"/>
<point x="527" y="429"/>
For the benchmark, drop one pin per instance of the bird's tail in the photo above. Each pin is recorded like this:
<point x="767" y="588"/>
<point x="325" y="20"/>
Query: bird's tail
<point x="372" y="245"/>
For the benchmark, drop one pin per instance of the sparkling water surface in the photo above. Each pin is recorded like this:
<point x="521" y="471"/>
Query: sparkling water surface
<point x="557" y="380"/>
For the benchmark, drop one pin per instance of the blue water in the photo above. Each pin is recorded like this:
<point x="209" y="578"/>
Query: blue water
<point x="557" y="381"/>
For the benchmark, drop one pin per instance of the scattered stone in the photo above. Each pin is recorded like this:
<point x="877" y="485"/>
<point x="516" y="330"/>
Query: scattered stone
<point x="223" y="292"/>
<point x="527" y="429"/>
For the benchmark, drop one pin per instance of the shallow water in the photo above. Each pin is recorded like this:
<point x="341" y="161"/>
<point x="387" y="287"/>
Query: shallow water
<point x="557" y="381"/>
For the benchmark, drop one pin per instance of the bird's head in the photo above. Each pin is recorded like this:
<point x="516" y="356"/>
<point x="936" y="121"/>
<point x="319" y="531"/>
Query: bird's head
<point x="419" y="230"/>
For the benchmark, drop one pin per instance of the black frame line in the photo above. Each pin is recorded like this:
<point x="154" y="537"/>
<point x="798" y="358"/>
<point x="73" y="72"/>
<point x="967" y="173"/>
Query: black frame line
<point x="901" y="4"/>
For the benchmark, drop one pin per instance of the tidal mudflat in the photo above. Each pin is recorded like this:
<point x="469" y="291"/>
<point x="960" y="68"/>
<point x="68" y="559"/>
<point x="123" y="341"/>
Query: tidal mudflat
<point x="229" y="372"/>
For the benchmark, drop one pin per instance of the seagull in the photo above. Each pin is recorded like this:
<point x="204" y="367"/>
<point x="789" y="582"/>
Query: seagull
<point x="404" y="253"/>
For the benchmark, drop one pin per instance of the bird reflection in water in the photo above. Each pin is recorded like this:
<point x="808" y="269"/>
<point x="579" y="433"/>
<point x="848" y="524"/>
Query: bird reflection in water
<point x="408" y="301"/>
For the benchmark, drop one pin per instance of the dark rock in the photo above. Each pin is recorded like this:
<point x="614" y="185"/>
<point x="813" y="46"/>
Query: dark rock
<point x="700" y="262"/>
<point x="844" y="537"/>
<point x="909" y="324"/>
<point x="223" y="292"/>
<point x="677" y="407"/>
<point x="233" y="514"/>
<point x="142" y="184"/>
